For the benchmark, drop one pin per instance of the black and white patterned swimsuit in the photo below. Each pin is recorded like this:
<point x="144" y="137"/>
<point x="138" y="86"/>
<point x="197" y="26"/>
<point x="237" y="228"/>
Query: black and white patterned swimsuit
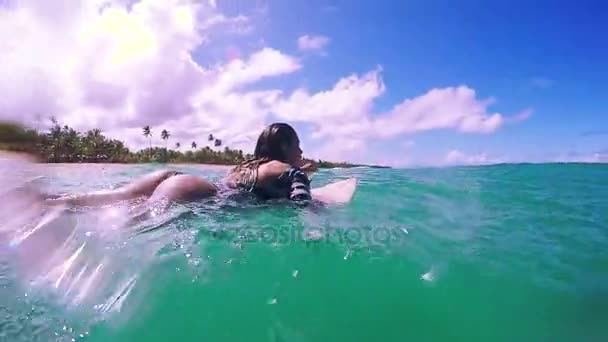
<point x="292" y="184"/>
<point x="296" y="185"/>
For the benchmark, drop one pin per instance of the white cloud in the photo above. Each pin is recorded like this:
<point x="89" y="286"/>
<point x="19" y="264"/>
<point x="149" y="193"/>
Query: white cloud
<point x="103" y="63"/>
<point x="346" y="111"/>
<point x="457" y="157"/>
<point x="522" y="116"/>
<point x="120" y="65"/>
<point x="237" y="25"/>
<point x="118" y="68"/>
<point x="312" y="42"/>
<point x="444" y="108"/>
<point x="264" y="63"/>
<point x="341" y="111"/>
<point x="595" y="157"/>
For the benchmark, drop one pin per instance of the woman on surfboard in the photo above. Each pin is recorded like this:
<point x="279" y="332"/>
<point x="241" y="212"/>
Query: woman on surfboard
<point x="275" y="171"/>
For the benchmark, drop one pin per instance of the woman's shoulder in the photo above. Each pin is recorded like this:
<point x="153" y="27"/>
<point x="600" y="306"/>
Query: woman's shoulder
<point x="271" y="171"/>
<point x="274" y="168"/>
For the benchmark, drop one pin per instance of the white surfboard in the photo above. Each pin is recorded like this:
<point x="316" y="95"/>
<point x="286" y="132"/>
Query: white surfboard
<point x="340" y="192"/>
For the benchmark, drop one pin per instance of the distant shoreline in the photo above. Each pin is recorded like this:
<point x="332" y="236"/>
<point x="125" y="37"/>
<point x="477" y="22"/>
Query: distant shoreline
<point x="66" y="145"/>
<point x="206" y="164"/>
<point x="32" y="158"/>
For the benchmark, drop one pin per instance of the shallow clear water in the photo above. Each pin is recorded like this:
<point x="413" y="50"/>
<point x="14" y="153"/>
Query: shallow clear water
<point x="502" y="253"/>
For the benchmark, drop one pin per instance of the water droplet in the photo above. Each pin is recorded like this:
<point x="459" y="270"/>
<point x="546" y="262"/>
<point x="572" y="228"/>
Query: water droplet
<point x="404" y="230"/>
<point x="428" y="276"/>
<point x="229" y="261"/>
<point x="188" y="255"/>
<point x="348" y="255"/>
<point x="81" y="336"/>
<point x="295" y="273"/>
<point x="65" y="328"/>
<point x="272" y="301"/>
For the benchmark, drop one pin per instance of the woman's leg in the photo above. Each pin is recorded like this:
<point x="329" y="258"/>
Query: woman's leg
<point x="182" y="188"/>
<point x="179" y="188"/>
<point x="142" y="187"/>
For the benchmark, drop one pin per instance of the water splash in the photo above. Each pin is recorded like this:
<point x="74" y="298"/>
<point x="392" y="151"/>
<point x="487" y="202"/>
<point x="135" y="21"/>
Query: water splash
<point x="85" y="260"/>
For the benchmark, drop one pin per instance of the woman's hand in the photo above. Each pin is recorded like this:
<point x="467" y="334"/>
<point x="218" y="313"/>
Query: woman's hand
<point x="309" y="167"/>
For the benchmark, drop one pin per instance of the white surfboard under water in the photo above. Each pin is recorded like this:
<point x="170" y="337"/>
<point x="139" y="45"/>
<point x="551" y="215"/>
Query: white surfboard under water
<point x="340" y="192"/>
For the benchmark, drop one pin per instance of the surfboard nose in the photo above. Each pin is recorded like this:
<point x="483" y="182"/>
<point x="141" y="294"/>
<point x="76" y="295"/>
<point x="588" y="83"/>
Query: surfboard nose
<point x="339" y="192"/>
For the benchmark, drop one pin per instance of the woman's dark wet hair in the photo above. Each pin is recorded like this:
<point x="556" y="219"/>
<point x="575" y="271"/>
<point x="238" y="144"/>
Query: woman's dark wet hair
<point x="273" y="142"/>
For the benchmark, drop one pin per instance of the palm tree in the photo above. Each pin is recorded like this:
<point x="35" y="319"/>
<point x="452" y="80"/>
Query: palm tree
<point x="165" y="136"/>
<point x="218" y="142"/>
<point x="194" y="145"/>
<point x="178" y="145"/>
<point x="148" y="134"/>
<point x="210" y="137"/>
<point x="92" y="144"/>
<point x="55" y="135"/>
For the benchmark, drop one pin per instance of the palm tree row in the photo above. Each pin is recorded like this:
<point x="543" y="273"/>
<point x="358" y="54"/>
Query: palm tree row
<point x="165" y="135"/>
<point x="63" y="144"/>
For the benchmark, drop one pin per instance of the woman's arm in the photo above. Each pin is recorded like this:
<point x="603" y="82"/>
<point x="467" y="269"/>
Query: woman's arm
<point x="284" y="179"/>
<point x="299" y="185"/>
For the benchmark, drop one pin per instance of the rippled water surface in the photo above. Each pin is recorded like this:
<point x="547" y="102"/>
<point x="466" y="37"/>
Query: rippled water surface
<point x="500" y="253"/>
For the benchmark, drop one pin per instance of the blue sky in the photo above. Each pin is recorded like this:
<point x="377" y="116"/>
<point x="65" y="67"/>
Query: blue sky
<point x="550" y="56"/>
<point x="391" y="82"/>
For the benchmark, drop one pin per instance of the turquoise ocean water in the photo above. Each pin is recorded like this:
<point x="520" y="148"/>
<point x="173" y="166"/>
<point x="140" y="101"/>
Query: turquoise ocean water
<point x="493" y="253"/>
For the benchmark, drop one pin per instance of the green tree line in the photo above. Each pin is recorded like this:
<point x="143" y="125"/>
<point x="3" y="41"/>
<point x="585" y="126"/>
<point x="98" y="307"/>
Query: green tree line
<point x="63" y="144"/>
